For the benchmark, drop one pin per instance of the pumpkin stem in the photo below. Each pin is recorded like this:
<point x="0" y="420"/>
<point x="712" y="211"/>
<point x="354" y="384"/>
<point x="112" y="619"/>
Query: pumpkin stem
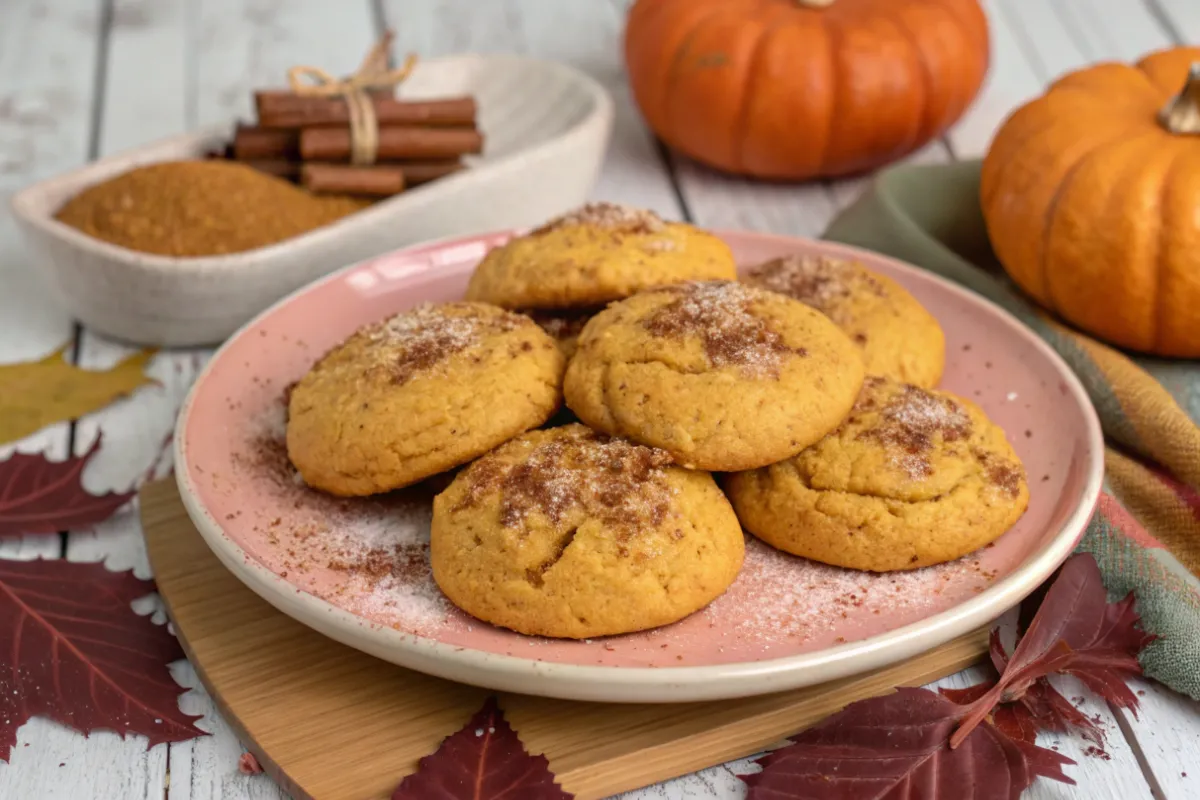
<point x="1182" y="114"/>
<point x="814" y="3"/>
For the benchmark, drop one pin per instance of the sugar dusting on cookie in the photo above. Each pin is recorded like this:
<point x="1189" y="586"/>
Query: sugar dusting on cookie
<point x="607" y="216"/>
<point x="720" y="314"/>
<point x="910" y="420"/>
<point x="818" y="281"/>
<point x="417" y="340"/>
<point x="617" y="482"/>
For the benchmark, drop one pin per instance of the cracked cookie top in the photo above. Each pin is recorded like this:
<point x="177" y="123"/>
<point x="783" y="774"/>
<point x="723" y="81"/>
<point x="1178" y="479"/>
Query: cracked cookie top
<point x="911" y="444"/>
<point x="596" y="254"/>
<point x="721" y="315"/>
<point x="575" y="471"/>
<point x="569" y="532"/>
<point x="722" y="375"/>
<point x="419" y="393"/>
<point x="899" y="339"/>
<point x="912" y="477"/>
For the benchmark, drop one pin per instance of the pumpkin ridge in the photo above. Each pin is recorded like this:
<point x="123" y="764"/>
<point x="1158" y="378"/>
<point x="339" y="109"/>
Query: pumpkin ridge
<point x="961" y="21"/>
<point x="1014" y="149"/>
<point x="926" y="86"/>
<point x="1156" y="334"/>
<point x="1053" y="209"/>
<point x="648" y="95"/>
<point x="748" y="81"/>
<point x="674" y="71"/>
<point x="1051" y="213"/>
<point x="833" y="33"/>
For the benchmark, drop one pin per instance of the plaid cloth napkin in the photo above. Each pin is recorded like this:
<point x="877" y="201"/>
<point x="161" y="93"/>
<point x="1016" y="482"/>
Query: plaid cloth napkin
<point x="1146" y="532"/>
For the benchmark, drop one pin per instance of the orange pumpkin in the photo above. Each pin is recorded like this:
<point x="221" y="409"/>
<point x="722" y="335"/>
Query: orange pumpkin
<point x="798" y="89"/>
<point x="1091" y="195"/>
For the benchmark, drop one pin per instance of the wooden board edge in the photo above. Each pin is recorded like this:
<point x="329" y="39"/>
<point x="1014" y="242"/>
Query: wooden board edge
<point x="746" y="737"/>
<point x="149" y="496"/>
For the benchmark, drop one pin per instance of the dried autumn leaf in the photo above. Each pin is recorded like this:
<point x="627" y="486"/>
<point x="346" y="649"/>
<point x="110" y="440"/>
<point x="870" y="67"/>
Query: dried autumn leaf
<point x="35" y="394"/>
<point x="40" y="496"/>
<point x="1046" y="707"/>
<point x="73" y="650"/>
<point x="483" y="761"/>
<point x="895" y="748"/>
<point x="1014" y="719"/>
<point x="1075" y="631"/>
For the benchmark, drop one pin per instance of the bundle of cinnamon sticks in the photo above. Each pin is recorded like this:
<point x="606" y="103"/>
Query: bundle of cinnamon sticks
<point x="307" y="139"/>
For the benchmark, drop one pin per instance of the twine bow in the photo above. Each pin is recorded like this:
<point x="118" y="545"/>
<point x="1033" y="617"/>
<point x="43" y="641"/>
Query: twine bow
<point x="373" y="73"/>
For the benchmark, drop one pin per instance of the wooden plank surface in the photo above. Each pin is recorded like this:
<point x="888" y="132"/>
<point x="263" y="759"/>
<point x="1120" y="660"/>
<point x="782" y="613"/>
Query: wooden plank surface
<point x="84" y="77"/>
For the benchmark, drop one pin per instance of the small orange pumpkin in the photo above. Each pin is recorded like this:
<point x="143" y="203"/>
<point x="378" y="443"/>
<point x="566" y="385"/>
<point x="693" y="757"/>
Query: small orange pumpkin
<point x="1091" y="195"/>
<point x="798" y="89"/>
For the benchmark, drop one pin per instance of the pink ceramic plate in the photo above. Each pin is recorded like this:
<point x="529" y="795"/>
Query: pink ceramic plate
<point x="358" y="571"/>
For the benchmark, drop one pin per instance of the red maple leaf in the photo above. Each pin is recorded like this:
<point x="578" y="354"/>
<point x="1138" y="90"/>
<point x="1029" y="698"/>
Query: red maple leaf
<point x="896" y="747"/>
<point x="41" y="496"/>
<point x="483" y="761"/>
<point x="1075" y="631"/>
<point x="977" y="742"/>
<point x="73" y="650"/>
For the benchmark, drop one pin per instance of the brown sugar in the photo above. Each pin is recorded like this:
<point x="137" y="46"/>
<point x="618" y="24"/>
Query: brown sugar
<point x="200" y="208"/>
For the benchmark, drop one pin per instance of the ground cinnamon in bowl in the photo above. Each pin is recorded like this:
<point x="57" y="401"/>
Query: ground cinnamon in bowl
<point x="200" y="208"/>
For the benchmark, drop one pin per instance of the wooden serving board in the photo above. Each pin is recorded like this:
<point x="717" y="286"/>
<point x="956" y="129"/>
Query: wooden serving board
<point x="331" y="723"/>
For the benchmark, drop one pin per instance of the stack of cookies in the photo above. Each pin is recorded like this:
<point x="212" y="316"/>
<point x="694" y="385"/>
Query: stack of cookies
<point x="808" y="386"/>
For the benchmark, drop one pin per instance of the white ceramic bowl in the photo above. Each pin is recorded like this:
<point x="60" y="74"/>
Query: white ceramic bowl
<point x="546" y="127"/>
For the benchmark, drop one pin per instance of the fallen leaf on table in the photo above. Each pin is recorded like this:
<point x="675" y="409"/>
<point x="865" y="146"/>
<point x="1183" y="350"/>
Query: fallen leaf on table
<point x="40" y="496"/>
<point x="1075" y="631"/>
<point x="483" y="761"/>
<point x="248" y="765"/>
<point x="34" y="394"/>
<point x="73" y="650"/>
<point x="896" y="746"/>
<point x="916" y="743"/>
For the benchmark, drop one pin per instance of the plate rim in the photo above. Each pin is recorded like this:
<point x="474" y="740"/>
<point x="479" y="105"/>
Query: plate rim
<point x="652" y="684"/>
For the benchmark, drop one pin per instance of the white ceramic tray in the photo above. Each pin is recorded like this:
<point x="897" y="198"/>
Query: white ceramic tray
<point x="546" y="127"/>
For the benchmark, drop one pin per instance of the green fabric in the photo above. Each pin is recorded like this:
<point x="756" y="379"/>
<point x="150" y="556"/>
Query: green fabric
<point x="930" y="216"/>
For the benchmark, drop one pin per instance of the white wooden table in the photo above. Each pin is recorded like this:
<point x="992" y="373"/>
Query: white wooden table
<point x="84" y="78"/>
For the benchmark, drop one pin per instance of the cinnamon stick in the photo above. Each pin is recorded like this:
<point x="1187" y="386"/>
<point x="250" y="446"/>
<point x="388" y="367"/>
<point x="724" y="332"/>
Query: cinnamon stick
<point x="281" y="109"/>
<point x="395" y="143"/>
<point x="250" y="142"/>
<point x="376" y="181"/>
<point x="380" y="180"/>
<point x="418" y="172"/>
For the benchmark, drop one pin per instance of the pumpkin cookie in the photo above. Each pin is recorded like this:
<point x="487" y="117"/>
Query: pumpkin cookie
<point x="721" y="375"/>
<point x="419" y="393"/>
<point x="914" y="477"/>
<point x="596" y="254"/>
<point x="570" y="533"/>
<point x="899" y="338"/>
